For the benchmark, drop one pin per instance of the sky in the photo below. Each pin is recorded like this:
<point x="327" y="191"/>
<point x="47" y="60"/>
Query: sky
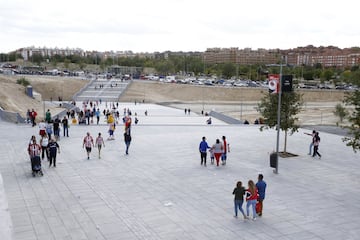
<point x="177" y="25"/>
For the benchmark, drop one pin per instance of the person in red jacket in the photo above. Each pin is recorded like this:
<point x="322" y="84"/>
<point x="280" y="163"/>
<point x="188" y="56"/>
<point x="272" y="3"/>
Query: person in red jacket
<point x="33" y="117"/>
<point x="251" y="198"/>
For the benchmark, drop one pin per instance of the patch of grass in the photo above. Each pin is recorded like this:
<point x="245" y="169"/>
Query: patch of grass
<point x="23" y="81"/>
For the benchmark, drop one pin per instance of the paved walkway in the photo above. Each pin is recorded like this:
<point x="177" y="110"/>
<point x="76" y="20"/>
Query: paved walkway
<point x="160" y="191"/>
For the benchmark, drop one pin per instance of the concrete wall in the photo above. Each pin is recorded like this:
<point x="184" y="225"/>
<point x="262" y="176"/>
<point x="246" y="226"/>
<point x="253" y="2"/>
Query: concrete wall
<point x="5" y="219"/>
<point x="11" y="117"/>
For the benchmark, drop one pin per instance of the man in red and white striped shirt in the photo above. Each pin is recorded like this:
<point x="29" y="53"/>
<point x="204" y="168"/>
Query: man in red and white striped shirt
<point x="88" y="143"/>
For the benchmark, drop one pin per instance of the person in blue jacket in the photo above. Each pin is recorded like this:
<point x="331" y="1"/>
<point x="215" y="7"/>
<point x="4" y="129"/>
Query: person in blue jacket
<point x="203" y="147"/>
<point x="261" y="186"/>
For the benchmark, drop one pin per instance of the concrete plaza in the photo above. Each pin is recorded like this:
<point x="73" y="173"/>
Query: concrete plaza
<point x="160" y="190"/>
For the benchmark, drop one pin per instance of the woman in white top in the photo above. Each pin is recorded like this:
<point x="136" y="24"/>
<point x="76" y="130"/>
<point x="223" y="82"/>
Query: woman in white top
<point x="218" y="150"/>
<point x="44" y="141"/>
<point x="42" y="128"/>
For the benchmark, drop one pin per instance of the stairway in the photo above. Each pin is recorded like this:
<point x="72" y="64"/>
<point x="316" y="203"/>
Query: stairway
<point x="110" y="91"/>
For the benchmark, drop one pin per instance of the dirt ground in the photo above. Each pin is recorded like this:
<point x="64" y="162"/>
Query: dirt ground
<point x="237" y="102"/>
<point x="13" y="96"/>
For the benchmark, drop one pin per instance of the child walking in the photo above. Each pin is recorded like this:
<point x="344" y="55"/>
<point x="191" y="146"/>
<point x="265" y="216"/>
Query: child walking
<point x="212" y="158"/>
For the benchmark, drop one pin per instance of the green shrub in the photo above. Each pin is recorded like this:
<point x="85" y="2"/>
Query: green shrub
<point x="23" y="81"/>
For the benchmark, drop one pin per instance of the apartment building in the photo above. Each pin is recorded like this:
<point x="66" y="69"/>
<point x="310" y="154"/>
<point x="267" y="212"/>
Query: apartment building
<point x="308" y="56"/>
<point x="245" y="56"/>
<point x="326" y="56"/>
<point x="28" y="52"/>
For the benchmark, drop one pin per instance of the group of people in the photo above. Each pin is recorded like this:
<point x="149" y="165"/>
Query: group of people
<point x="53" y="127"/>
<point x="31" y="117"/>
<point x="49" y="131"/>
<point x="48" y="147"/>
<point x="88" y="141"/>
<point x="254" y="195"/>
<point x="217" y="151"/>
<point x="314" y="144"/>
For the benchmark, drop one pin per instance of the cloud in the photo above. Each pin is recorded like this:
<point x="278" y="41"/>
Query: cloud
<point x="161" y="25"/>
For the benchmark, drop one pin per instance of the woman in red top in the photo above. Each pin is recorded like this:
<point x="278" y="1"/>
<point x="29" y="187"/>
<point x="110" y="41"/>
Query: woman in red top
<point x="251" y="197"/>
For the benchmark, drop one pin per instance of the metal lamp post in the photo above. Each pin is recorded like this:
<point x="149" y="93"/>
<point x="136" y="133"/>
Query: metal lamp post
<point x="278" y="121"/>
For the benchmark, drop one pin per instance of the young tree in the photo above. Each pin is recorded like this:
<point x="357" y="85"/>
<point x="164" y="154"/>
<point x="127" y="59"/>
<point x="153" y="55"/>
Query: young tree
<point x="340" y="111"/>
<point x="291" y="105"/>
<point x="228" y="70"/>
<point x="353" y="99"/>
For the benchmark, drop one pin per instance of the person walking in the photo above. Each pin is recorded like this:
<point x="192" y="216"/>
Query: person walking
<point x="127" y="140"/>
<point x="203" y="147"/>
<point x="99" y="143"/>
<point x="97" y="114"/>
<point x="49" y="129"/>
<point x="212" y="157"/>
<point x="312" y="140"/>
<point x="65" y="124"/>
<point x="53" y="148"/>
<point x="261" y="187"/>
<point x="42" y="128"/>
<point x="56" y="127"/>
<point x="218" y="150"/>
<point x="316" y="145"/>
<point x="88" y="143"/>
<point x="34" y="149"/>
<point x="33" y="115"/>
<point x="239" y="192"/>
<point x="44" y="141"/>
<point x="251" y="197"/>
<point x="226" y="149"/>
<point x="48" y="116"/>
<point x="111" y="130"/>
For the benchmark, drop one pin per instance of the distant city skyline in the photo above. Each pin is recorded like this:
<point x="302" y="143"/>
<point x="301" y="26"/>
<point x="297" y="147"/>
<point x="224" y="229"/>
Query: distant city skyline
<point x="177" y="25"/>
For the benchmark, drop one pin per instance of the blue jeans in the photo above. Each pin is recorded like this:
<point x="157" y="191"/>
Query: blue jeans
<point x="66" y="131"/>
<point x="238" y="205"/>
<point x="253" y="205"/>
<point x="310" y="147"/>
<point x="127" y="144"/>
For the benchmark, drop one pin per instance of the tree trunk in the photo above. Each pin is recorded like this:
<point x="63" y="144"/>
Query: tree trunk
<point x="285" y="141"/>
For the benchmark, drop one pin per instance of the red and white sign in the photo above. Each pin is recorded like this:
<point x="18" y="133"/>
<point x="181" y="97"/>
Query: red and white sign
<point x="274" y="83"/>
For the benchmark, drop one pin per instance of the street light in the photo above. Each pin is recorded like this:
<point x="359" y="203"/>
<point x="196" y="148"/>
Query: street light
<point x="278" y="120"/>
<point x="279" y="112"/>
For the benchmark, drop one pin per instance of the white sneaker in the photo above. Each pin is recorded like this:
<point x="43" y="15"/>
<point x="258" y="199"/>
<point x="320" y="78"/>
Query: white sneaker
<point x="254" y="219"/>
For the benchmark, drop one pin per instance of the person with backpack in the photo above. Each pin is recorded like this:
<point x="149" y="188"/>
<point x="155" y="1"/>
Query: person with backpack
<point x="88" y="143"/>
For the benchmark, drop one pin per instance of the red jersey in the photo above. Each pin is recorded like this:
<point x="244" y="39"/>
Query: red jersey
<point x="250" y="196"/>
<point x="34" y="150"/>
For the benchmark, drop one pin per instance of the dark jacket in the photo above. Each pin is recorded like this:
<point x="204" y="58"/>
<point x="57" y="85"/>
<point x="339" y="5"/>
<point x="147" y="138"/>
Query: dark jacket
<point x="239" y="193"/>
